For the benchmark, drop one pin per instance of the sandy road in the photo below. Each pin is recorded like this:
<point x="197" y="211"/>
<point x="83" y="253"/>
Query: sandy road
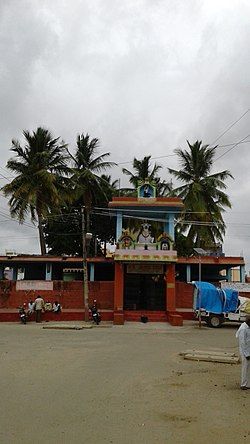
<point x="124" y="384"/>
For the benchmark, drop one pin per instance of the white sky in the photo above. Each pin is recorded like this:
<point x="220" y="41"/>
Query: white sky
<point x="141" y="75"/>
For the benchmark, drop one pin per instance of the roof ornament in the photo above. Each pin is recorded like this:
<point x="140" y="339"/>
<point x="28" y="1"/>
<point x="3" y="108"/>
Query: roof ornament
<point x="146" y="189"/>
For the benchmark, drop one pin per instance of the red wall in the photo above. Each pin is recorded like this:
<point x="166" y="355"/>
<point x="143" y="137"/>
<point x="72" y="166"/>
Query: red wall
<point x="184" y="295"/>
<point x="69" y="294"/>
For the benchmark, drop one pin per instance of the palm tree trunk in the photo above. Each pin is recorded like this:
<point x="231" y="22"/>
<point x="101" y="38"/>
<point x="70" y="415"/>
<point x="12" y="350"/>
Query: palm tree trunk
<point x="88" y="205"/>
<point x="41" y="236"/>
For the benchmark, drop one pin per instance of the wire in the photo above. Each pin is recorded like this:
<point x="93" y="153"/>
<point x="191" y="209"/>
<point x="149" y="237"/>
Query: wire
<point x="175" y="155"/>
<point x="125" y="216"/>
<point x="231" y="126"/>
<point x="15" y="238"/>
<point x="6" y="170"/>
<point x="9" y="218"/>
<point x="146" y="211"/>
<point x="151" y="158"/>
<point x="230" y="149"/>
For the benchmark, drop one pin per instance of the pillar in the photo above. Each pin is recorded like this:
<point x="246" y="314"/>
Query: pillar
<point x="118" y="294"/>
<point x="1" y="273"/>
<point x="171" y="225"/>
<point x="118" y="225"/>
<point x="188" y="273"/>
<point x="48" y="276"/>
<point x="173" y="317"/>
<point x="170" y="288"/>
<point x="242" y="273"/>
<point x="229" y="275"/>
<point x="14" y="272"/>
<point x="92" y="272"/>
<point x="166" y="225"/>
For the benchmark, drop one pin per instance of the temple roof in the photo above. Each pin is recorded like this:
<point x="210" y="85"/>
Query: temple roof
<point x="157" y="202"/>
<point x="153" y="207"/>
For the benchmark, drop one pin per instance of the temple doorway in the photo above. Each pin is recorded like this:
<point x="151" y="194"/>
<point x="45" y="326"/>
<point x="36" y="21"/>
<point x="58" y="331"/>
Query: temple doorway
<point x="144" y="291"/>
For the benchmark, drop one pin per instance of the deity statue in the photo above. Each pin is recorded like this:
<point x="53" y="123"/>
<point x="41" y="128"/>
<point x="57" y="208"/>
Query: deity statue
<point x="145" y="234"/>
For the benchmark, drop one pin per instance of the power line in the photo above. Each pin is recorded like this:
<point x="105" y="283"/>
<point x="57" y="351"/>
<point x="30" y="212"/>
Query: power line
<point x="175" y="155"/>
<point x="231" y="126"/>
<point x="230" y="149"/>
<point x="146" y="211"/>
<point x="6" y="170"/>
<point x="16" y="238"/>
<point x="126" y="216"/>
<point x="9" y="218"/>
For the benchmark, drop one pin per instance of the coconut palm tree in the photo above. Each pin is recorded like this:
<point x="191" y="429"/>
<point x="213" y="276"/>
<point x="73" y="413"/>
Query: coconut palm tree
<point x="111" y="186"/>
<point x="203" y="195"/>
<point x="88" y="186"/>
<point x="144" y="171"/>
<point x="38" y="185"/>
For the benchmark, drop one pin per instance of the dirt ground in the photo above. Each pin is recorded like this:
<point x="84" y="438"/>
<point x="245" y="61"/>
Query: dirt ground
<point x="119" y="384"/>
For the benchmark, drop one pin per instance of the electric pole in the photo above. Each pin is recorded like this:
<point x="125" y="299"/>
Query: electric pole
<point x="85" y="269"/>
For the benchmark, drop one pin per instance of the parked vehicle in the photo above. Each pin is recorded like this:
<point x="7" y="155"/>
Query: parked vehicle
<point x="216" y="306"/>
<point x="96" y="317"/>
<point x="22" y="314"/>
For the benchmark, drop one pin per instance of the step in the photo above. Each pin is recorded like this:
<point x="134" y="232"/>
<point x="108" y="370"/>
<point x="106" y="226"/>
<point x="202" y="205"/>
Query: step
<point x="135" y="316"/>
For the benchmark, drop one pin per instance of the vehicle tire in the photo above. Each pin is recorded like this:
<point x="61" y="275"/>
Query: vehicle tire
<point x="215" y="321"/>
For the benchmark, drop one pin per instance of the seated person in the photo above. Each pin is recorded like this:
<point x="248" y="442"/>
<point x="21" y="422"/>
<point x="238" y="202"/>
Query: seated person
<point x="48" y="306"/>
<point x="57" y="307"/>
<point x="31" y="306"/>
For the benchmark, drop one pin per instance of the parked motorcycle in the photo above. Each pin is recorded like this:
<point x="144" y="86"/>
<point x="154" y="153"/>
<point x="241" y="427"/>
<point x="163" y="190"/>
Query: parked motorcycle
<point x="22" y="315"/>
<point x="96" y="317"/>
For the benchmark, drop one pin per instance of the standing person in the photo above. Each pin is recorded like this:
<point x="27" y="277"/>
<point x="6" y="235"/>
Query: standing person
<point x="38" y="307"/>
<point x="243" y="335"/>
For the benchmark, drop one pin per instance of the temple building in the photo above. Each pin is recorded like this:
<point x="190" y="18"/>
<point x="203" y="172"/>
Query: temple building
<point x="141" y="276"/>
<point x="145" y="261"/>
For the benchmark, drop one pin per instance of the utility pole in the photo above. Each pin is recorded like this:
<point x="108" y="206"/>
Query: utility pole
<point x="85" y="269"/>
<point x="200" y="252"/>
<point x="199" y="295"/>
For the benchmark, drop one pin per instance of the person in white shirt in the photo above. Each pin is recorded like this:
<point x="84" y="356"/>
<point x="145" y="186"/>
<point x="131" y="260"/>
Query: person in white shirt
<point x="57" y="307"/>
<point x="30" y="307"/>
<point x="243" y="335"/>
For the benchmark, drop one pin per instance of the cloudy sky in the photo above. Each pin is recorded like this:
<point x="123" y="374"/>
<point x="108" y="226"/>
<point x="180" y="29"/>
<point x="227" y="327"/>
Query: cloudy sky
<point x="141" y="75"/>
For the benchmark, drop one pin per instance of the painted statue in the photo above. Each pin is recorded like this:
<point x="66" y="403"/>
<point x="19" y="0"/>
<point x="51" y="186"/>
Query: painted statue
<point x="126" y="240"/>
<point x="144" y="236"/>
<point x="165" y="241"/>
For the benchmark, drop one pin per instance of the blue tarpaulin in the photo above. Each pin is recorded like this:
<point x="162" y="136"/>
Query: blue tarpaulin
<point x="231" y="302"/>
<point x="215" y="300"/>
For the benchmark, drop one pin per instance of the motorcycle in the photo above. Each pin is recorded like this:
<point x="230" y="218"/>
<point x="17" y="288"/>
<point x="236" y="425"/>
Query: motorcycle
<point x="96" y="317"/>
<point x="22" y="315"/>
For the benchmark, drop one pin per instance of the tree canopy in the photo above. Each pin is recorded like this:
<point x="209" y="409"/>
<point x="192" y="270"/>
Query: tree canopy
<point x="203" y="195"/>
<point x="52" y="184"/>
<point x="38" y="186"/>
<point x="142" y="171"/>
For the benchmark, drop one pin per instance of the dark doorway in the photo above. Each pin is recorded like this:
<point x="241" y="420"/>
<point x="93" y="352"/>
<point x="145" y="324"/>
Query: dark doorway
<point x="144" y="292"/>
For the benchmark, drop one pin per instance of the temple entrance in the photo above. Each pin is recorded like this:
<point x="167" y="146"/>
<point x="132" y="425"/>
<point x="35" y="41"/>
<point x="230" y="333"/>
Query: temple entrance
<point x="144" y="291"/>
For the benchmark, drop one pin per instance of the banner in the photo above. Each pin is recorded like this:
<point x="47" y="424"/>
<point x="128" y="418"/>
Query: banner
<point x="145" y="268"/>
<point x="34" y="285"/>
